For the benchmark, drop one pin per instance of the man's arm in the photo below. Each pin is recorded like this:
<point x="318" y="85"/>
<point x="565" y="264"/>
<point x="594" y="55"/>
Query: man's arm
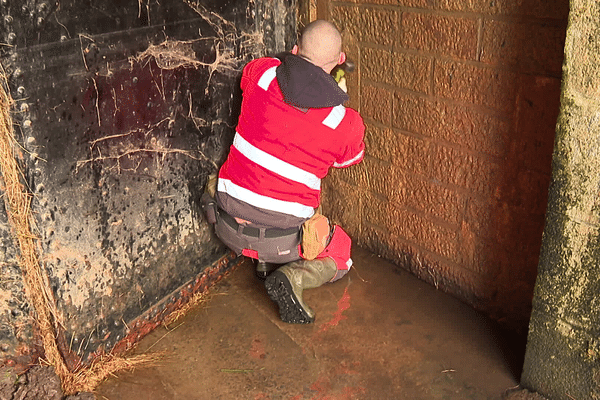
<point x="354" y="151"/>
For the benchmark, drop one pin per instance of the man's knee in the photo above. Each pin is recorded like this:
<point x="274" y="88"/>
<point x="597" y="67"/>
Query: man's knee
<point x="338" y="250"/>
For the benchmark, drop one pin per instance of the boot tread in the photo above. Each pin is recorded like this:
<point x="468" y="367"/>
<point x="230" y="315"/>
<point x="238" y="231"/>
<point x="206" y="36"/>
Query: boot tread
<point x="280" y="291"/>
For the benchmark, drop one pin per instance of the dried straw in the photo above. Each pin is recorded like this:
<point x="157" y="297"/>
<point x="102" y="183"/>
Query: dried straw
<point x="87" y="379"/>
<point x="18" y="208"/>
<point x="17" y="201"/>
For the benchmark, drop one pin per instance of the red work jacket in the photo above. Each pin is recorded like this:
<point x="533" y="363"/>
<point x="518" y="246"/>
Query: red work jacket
<point x="281" y="152"/>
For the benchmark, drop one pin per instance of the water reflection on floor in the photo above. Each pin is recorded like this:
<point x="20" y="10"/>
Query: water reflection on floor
<point x="379" y="334"/>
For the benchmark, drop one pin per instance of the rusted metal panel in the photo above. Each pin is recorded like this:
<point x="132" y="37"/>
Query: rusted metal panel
<point x="122" y="112"/>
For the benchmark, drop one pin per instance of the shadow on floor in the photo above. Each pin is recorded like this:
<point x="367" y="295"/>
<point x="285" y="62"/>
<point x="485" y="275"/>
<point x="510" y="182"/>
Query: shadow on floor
<point x="379" y="334"/>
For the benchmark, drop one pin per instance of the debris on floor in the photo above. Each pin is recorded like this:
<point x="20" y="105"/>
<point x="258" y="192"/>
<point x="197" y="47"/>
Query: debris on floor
<point x="40" y="382"/>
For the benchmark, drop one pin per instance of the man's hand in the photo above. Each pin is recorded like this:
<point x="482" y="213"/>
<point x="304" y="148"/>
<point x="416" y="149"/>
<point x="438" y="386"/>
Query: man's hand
<point x="342" y="84"/>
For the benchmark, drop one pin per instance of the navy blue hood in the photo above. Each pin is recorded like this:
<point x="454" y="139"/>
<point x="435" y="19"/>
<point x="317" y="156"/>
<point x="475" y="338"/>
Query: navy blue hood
<point x="305" y="85"/>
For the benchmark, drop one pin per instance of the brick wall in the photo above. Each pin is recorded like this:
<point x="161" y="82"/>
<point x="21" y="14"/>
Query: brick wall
<point x="460" y="99"/>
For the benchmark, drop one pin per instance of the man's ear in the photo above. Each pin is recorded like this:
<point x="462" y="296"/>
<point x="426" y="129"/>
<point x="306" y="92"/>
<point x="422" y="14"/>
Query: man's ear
<point x="342" y="58"/>
<point x="295" y="49"/>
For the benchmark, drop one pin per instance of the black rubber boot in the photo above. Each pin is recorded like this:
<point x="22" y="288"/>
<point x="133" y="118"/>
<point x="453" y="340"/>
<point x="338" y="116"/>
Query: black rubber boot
<point x="264" y="269"/>
<point x="285" y="287"/>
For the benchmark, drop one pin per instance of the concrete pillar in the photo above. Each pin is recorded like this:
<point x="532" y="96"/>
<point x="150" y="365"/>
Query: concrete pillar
<point x="562" y="360"/>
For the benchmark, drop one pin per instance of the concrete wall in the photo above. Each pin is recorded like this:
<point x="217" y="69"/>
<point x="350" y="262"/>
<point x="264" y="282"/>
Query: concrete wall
<point x="460" y="99"/>
<point x="563" y="351"/>
<point x="122" y="110"/>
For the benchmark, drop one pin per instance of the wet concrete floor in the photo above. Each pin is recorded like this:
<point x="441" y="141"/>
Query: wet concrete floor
<point x="379" y="334"/>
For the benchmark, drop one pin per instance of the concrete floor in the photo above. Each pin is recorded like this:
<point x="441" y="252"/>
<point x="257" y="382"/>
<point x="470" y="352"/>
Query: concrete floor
<point x="379" y="334"/>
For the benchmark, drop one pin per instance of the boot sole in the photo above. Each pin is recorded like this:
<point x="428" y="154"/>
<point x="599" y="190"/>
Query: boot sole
<point x="280" y="291"/>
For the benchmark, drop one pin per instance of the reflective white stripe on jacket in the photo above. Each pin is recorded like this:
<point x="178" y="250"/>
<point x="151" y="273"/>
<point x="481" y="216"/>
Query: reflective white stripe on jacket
<point x="280" y="153"/>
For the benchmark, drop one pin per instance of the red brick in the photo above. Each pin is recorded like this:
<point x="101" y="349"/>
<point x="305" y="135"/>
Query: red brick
<point x="505" y="224"/>
<point x="414" y="114"/>
<point x="438" y="239"/>
<point x="529" y="47"/>
<point x="474" y="173"/>
<point x="482" y="217"/>
<point x="382" y="178"/>
<point x="445" y="275"/>
<point x="482" y="86"/>
<point x="535" y="8"/>
<point x="376" y="65"/>
<point x="421" y="194"/>
<point x="538" y="107"/>
<point x="341" y="203"/>
<point x="412" y="72"/>
<point x="379" y="242"/>
<point x="376" y="103"/>
<point x="442" y="35"/>
<point x="346" y="18"/>
<point x="355" y="175"/>
<point x="426" y="4"/>
<point x="381" y="143"/>
<point x="376" y="211"/>
<point x="474" y="130"/>
<point x="531" y="195"/>
<point x="456" y="124"/>
<point x="481" y="256"/>
<point x="367" y="24"/>
<point x="525" y="234"/>
<point x="451" y="277"/>
<point x="413" y="154"/>
<point x="412" y="227"/>
<point x="554" y="9"/>
<point x="387" y="2"/>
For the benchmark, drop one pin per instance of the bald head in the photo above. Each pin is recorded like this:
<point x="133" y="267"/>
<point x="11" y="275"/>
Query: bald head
<point x="321" y="43"/>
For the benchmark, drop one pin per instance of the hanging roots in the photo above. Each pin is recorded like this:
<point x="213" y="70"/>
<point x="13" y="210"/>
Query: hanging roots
<point x="172" y="54"/>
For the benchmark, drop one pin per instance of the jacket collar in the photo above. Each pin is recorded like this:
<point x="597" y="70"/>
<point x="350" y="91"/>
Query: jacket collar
<point x="305" y="85"/>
